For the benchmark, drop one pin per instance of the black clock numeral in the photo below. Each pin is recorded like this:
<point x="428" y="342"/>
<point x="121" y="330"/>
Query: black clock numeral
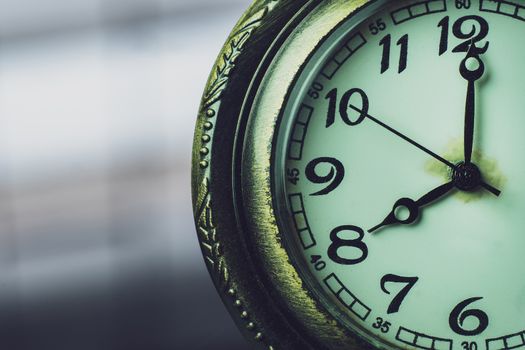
<point x="293" y="176"/>
<point x="315" y="90"/>
<point x="476" y="33"/>
<point x="332" y="98"/>
<point x="339" y="243"/>
<point x="443" y="41"/>
<point x="386" y="43"/>
<point x="318" y="262"/>
<point x="459" y="315"/>
<point x="382" y="325"/>
<point x="463" y="4"/>
<point x="334" y="178"/>
<point x="377" y="26"/>
<point x="400" y="297"/>
<point x="469" y="345"/>
<point x="471" y="36"/>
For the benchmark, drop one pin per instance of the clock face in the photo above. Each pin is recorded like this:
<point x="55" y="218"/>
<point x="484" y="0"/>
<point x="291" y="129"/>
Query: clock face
<point x="399" y="178"/>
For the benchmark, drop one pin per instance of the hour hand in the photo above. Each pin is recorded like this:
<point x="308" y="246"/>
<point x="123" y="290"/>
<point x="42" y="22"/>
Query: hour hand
<point x="412" y="208"/>
<point x="472" y="74"/>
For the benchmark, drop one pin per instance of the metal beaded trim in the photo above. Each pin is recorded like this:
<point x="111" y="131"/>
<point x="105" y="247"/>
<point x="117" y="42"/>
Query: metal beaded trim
<point x="221" y="73"/>
<point x="213" y="256"/>
<point x="210" y="105"/>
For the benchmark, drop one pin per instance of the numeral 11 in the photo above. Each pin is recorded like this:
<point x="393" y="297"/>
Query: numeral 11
<point x="386" y="42"/>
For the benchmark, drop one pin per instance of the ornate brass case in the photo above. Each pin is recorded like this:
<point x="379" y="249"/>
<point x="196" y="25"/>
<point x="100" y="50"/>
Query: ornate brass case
<point x="232" y="182"/>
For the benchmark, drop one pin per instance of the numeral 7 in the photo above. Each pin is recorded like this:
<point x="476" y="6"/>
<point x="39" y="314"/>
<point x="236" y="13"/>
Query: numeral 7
<point x="398" y="300"/>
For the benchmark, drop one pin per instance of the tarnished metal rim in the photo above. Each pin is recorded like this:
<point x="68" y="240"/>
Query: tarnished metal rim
<point x="221" y="239"/>
<point x="239" y="235"/>
<point x="257" y="185"/>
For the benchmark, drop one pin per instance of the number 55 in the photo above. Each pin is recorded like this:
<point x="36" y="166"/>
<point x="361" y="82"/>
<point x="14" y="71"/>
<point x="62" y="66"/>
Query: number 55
<point x="377" y="27"/>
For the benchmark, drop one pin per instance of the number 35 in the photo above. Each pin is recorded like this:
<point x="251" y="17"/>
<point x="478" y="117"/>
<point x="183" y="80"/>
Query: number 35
<point x="383" y="325"/>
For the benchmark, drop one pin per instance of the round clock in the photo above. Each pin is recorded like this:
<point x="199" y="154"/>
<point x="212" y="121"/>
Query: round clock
<point x="358" y="181"/>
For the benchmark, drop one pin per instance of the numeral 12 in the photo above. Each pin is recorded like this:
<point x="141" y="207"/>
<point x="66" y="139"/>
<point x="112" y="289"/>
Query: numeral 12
<point x="472" y="36"/>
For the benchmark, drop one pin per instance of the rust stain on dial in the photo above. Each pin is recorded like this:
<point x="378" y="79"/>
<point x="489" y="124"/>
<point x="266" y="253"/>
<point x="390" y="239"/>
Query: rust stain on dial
<point x="488" y="166"/>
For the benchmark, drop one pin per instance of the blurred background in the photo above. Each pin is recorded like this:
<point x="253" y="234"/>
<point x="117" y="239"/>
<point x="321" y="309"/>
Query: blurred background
<point x="98" y="100"/>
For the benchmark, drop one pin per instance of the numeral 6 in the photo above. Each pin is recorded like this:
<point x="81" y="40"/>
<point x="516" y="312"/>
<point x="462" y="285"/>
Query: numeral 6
<point x="459" y="315"/>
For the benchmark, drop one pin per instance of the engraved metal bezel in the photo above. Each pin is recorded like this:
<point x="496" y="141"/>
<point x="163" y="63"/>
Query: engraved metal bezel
<point x="232" y="183"/>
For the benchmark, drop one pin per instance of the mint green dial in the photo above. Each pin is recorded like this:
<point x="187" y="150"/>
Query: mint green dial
<point x="382" y="113"/>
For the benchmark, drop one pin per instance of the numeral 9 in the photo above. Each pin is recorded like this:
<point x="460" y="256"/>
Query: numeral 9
<point x="334" y="177"/>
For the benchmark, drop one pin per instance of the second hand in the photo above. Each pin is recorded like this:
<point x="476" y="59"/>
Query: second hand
<point x="436" y="156"/>
<point x="404" y="137"/>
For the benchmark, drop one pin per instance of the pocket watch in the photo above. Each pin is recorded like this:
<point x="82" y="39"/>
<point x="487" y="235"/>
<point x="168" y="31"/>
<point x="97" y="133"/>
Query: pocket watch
<point x="357" y="174"/>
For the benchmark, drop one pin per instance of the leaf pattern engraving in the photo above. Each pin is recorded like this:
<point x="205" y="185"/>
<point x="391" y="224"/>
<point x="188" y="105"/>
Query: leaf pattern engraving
<point x="208" y="236"/>
<point x="231" y="52"/>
